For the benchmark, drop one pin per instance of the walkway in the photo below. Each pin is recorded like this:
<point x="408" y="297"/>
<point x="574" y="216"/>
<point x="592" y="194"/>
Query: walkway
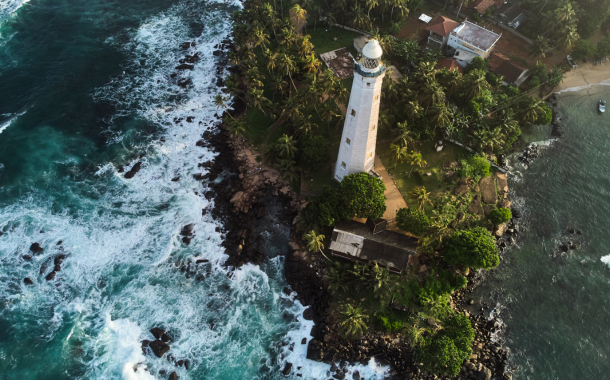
<point x="394" y="201"/>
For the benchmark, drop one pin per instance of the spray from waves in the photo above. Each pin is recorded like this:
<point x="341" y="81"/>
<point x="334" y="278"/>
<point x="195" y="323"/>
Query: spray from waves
<point x="7" y="7"/>
<point x="606" y="260"/>
<point x="7" y="124"/>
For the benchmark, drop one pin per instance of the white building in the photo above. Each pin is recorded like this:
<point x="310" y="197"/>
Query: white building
<point x="470" y="40"/>
<point x="357" y="147"/>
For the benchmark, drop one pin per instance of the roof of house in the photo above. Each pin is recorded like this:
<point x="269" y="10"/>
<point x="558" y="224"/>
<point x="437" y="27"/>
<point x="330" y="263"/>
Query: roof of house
<point x="449" y="63"/>
<point x="443" y="25"/>
<point x="388" y="248"/>
<point x="476" y="35"/>
<point x="500" y="64"/>
<point x="482" y="5"/>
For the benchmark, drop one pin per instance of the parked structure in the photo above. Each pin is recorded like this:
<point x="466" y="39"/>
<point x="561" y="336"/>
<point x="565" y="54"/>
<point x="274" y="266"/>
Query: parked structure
<point x="357" y="147"/>
<point x="355" y="241"/>
<point x="470" y="40"/>
<point x="482" y="6"/>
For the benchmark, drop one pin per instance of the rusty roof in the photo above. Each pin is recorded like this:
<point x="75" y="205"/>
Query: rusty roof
<point x="476" y="35"/>
<point x="482" y="5"/>
<point x="500" y="64"/>
<point x="449" y="63"/>
<point x="443" y="25"/>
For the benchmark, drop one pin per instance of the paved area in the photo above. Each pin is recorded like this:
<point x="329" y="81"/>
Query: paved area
<point x="394" y="201"/>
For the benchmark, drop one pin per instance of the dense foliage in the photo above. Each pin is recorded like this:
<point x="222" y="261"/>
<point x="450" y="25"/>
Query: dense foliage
<point x="500" y="215"/>
<point x="358" y="195"/>
<point x="476" y="167"/>
<point x="472" y="248"/>
<point x="445" y="352"/>
<point x="313" y="152"/>
<point x="412" y="220"/>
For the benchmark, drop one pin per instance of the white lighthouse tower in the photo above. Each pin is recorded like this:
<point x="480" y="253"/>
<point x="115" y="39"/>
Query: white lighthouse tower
<point x="357" y="147"/>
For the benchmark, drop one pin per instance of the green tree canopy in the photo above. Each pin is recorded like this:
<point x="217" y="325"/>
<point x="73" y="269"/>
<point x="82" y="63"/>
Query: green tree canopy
<point x="412" y="220"/>
<point x="313" y="152"/>
<point x="500" y="215"/>
<point x="361" y="195"/>
<point x="474" y="248"/>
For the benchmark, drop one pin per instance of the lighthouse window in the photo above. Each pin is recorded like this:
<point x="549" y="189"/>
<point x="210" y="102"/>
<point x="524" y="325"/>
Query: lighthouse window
<point x="368" y="84"/>
<point x="343" y="164"/>
<point x="353" y="112"/>
<point x="348" y="141"/>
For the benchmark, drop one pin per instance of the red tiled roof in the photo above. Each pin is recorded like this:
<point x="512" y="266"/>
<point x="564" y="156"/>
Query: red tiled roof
<point x="482" y="5"/>
<point x="443" y="25"/>
<point x="500" y="64"/>
<point x="449" y="63"/>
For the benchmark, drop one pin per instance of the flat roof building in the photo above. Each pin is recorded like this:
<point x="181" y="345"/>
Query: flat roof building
<point x="473" y="38"/>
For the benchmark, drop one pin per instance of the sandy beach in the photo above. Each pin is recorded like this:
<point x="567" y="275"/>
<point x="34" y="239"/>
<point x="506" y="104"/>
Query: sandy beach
<point x="583" y="76"/>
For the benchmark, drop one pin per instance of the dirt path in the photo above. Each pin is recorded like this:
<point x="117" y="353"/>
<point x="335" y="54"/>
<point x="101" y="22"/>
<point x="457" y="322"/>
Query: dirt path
<point x="394" y="201"/>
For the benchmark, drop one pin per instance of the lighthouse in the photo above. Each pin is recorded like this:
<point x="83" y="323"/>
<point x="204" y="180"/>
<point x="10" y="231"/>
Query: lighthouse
<point x="357" y="147"/>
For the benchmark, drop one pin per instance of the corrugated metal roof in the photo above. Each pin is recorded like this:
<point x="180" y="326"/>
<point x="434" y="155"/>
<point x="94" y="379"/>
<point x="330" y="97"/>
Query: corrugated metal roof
<point x="347" y="243"/>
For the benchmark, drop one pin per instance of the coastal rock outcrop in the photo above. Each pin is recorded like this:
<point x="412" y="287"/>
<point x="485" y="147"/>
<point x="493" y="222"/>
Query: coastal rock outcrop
<point x="159" y="348"/>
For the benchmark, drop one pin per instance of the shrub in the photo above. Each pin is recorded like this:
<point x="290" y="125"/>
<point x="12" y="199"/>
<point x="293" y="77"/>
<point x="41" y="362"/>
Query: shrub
<point x="444" y="353"/>
<point x="361" y="195"/>
<point x="313" y="152"/>
<point x="391" y="325"/>
<point x="473" y="248"/>
<point x="412" y="220"/>
<point x="583" y="49"/>
<point x="500" y="215"/>
<point x="440" y="284"/>
<point x="545" y="118"/>
<point x="476" y="167"/>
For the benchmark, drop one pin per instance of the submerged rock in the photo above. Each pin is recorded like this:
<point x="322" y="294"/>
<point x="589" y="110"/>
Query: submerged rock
<point x="287" y="369"/>
<point x="173" y="376"/>
<point x="36" y="248"/>
<point x="157" y="332"/>
<point x="28" y="281"/>
<point x="134" y="170"/>
<point x="51" y="276"/>
<point x="159" y="348"/>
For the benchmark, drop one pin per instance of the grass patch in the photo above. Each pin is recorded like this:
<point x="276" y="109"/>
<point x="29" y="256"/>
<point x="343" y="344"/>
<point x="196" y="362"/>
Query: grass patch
<point x="434" y="159"/>
<point x="257" y="124"/>
<point x="323" y="39"/>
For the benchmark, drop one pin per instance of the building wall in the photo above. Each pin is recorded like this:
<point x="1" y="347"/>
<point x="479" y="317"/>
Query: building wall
<point x="361" y="129"/>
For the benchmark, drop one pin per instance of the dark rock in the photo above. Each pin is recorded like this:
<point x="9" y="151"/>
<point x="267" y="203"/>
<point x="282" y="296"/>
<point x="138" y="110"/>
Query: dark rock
<point x="173" y="376"/>
<point x="200" y="261"/>
<point x="184" y="83"/>
<point x="157" y="332"/>
<point x="51" y="276"/>
<point x="159" y="348"/>
<point x="59" y="259"/>
<point x="28" y="281"/>
<point x="57" y="268"/>
<point x="485" y="374"/>
<point x="187" y="230"/>
<point x="185" y="66"/>
<point x="187" y="240"/>
<point x="187" y="364"/>
<point x="304" y="341"/>
<point x="133" y="170"/>
<point x="185" y="45"/>
<point x="36" y="248"/>
<point x="27" y="257"/>
<point x="59" y="242"/>
<point x="287" y="369"/>
<point x="165" y="338"/>
<point x="190" y="119"/>
<point x="176" y="178"/>
<point x="180" y="362"/>
<point x="308" y="314"/>
<point x="217" y="53"/>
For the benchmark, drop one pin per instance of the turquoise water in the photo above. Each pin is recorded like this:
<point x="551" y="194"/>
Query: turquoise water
<point x="85" y="90"/>
<point x="557" y="306"/>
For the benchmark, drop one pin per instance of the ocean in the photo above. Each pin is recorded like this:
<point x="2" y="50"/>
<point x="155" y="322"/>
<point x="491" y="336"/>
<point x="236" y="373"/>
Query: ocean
<point x="86" y="91"/>
<point x="555" y="304"/>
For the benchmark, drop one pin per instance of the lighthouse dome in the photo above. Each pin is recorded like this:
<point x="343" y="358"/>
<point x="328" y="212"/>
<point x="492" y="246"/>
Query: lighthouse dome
<point x="372" y="50"/>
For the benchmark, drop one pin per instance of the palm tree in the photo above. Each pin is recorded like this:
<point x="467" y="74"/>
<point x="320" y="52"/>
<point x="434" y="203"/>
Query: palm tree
<point x="565" y="12"/>
<point x="453" y="81"/>
<point x="316" y="13"/>
<point x="360" y="20"/>
<point x="311" y="63"/>
<point x="475" y="84"/>
<point x="440" y="115"/>
<point x="420" y="196"/>
<point x="416" y="334"/>
<point x="413" y="109"/>
<point x="258" y="100"/>
<point x="287" y="37"/>
<point x="381" y="280"/>
<point x="328" y="113"/>
<point x="405" y="136"/>
<point x="305" y="124"/>
<point x="370" y="4"/>
<point x="397" y="153"/>
<point x="286" y="146"/>
<point x="305" y="46"/>
<point x="568" y="36"/>
<point x="534" y="110"/>
<point x="260" y="38"/>
<point x="434" y="94"/>
<point x="314" y="241"/>
<point x="236" y="128"/>
<point x="221" y="102"/>
<point x="360" y="274"/>
<point x="287" y="66"/>
<point x="337" y="277"/>
<point x="352" y="321"/>
<point x="278" y="85"/>
<point x="539" y="48"/>
<point x="416" y="159"/>
<point x="464" y="2"/>
<point x="272" y="61"/>
<point x="298" y="12"/>
<point x="288" y="170"/>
